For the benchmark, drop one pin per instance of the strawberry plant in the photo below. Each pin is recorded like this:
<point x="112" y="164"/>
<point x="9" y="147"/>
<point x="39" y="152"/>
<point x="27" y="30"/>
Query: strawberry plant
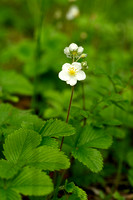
<point x="66" y="118"/>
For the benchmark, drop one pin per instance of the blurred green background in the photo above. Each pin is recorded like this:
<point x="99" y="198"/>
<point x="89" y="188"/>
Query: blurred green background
<point x="33" y="34"/>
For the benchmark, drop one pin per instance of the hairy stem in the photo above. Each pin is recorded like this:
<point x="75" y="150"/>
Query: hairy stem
<point x="68" y="112"/>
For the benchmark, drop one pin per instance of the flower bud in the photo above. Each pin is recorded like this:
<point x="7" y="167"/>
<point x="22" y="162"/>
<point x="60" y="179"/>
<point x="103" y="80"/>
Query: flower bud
<point x="84" y="64"/>
<point x="66" y="51"/>
<point x="73" y="47"/>
<point x="84" y="55"/>
<point x="80" y="50"/>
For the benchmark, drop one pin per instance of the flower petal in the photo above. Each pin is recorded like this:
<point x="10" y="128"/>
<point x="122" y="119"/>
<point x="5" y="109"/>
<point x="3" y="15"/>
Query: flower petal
<point x="64" y="76"/>
<point x="66" y="66"/>
<point x="80" y="75"/>
<point x="72" y="81"/>
<point x="77" y="65"/>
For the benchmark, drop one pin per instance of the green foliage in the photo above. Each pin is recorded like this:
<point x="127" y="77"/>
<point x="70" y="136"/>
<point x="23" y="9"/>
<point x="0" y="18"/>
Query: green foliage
<point x="9" y="122"/>
<point x="49" y="142"/>
<point x="29" y="181"/>
<point x="9" y="194"/>
<point x="48" y="158"/>
<point x="83" y="144"/>
<point x="19" y="145"/>
<point x="94" y="137"/>
<point x="8" y="169"/>
<point x="89" y="157"/>
<point x="77" y="193"/>
<point x="14" y="83"/>
<point x="32" y="181"/>
<point x="20" y="149"/>
<point x="56" y="128"/>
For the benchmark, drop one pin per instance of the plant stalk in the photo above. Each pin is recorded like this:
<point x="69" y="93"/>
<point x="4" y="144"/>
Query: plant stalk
<point x="68" y="112"/>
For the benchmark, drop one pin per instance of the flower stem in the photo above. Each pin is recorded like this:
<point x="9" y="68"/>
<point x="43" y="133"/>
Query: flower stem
<point x="68" y="112"/>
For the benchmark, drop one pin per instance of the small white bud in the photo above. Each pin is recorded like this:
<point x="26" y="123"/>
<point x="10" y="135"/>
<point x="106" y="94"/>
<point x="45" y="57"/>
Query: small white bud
<point x="80" y="50"/>
<point x="84" y="55"/>
<point x="73" y="47"/>
<point x="66" y="51"/>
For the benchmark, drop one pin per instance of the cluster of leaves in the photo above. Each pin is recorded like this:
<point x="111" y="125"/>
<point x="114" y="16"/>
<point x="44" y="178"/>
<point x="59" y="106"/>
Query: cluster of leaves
<point x="30" y="147"/>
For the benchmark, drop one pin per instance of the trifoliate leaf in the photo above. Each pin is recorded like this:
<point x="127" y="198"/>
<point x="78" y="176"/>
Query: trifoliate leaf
<point x="48" y="158"/>
<point x="9" y="194"/>
<point x="56" y="128"/>
<point x="90" y="157"/>
<point x="32" y="181"/>
<point x="19" y="145"/>
<point x="7" y="169"/>
<point x="94" y="137"/>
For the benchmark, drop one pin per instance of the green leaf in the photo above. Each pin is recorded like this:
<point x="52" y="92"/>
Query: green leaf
<point x="12" y="118"/>
<point x="80" y="193"/>
<point x="5" y="110"/>
<point x="90" y="157"/>
<point x="116" y="132"/>
<point x="56" y="128"/>
<point x="15" y="83"/>
<point x="77" y="192"/>
<point x="19" y="145"/>
<point x="48" y="158"/>
<point x="9" y="194"/>
<point x="32" y="181"/>
<point x="69" y="187"/>
<point x="49" y="142"/>
<point x="94" y="137"/>
<point x="77" y="111"/>
<point x="7" y="169"/>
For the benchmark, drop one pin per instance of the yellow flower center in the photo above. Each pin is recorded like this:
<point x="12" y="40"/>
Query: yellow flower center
<point x="74" y="53"/>
<point x="72" y="71"/>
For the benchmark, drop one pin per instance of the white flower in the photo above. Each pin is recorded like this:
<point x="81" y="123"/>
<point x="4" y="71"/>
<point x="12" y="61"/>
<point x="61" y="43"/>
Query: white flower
<point x="73" y="12"/>
<point x="71" y="73"/>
